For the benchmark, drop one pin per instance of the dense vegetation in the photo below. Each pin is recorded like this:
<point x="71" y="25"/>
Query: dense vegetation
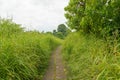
<point x="23" y="54"/>
<point x="90" y="58"/>
<point x="93" y="52"/>
<point x="90" y="53"/>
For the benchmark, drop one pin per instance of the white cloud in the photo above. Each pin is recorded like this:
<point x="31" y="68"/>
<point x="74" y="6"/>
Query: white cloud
<point x="35" y="14"/>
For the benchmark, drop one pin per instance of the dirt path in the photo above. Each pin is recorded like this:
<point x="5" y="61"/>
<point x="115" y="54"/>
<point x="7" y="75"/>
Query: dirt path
<point x="56" y="70"/>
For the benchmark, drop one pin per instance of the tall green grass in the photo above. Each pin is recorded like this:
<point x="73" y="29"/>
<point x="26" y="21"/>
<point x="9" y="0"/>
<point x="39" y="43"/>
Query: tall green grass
<point x="23" y="55"/>
<point x="90" y="58"/>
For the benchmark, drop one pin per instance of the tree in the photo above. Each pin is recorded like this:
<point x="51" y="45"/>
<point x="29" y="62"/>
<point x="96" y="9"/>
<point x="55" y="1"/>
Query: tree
<point x="100" y="17"/>
<point x="62" y="31"/>
<point x="74" y="13"/>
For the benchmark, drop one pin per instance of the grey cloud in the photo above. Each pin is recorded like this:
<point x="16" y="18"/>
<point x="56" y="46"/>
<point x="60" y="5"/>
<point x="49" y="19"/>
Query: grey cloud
<point x="1" y="3"/>
<point x="42" y="2"/>
<point x="35" y="14"/>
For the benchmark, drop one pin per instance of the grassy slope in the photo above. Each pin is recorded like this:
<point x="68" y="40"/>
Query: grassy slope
<point x="23" y="55"/>
<point x="88" y="58"/>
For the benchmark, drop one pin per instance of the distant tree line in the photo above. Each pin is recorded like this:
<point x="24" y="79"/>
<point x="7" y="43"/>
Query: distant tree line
<point x="61" y="32"/>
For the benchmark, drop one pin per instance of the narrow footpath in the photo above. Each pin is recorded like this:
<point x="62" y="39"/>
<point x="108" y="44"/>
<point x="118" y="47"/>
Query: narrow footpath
<point x="56" y="70"/>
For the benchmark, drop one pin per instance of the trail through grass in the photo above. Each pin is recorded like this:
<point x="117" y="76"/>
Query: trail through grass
<point x="56" y="69"/>
<point x="24" y="55"/>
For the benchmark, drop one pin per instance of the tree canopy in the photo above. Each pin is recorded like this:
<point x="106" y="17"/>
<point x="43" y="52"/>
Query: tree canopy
<point x="93" y="16"/>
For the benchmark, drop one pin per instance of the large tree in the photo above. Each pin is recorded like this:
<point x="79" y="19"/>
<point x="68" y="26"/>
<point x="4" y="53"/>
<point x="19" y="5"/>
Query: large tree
<point x="93" y="16"/>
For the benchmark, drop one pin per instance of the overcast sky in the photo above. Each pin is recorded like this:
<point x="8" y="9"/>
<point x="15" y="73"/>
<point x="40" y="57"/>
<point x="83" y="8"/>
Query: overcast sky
<point x="35" y="14"/>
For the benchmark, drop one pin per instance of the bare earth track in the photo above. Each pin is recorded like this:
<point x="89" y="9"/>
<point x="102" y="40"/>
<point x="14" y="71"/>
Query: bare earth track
<point x="56" y="70"/>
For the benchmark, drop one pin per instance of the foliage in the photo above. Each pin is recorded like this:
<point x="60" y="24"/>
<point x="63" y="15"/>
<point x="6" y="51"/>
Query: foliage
<point x="91" y="58"/>
<point x="100" y="17"/>
<point x="8" y="28"/>
<point x="23" y="55"/>
<point x="94" y="55"/>
<point x="62" y="31"/>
